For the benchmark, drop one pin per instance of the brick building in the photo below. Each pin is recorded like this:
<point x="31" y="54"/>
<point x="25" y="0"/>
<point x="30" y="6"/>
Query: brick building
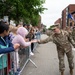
<point x="65" y="20"/>
<point x="58" y="21"/>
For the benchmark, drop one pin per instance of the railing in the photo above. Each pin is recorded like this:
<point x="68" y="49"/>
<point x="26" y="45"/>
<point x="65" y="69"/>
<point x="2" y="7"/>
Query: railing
<point x="24" y="55"/>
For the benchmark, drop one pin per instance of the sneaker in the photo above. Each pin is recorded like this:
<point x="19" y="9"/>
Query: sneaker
<point x="31" y="53"/>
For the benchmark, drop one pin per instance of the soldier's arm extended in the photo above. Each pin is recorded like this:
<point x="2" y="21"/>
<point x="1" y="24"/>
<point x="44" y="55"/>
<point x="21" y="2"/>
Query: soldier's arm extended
<point x="46" y="40"/>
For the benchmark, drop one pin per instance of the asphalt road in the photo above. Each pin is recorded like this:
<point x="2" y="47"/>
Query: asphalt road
<point x="45" y="57"/>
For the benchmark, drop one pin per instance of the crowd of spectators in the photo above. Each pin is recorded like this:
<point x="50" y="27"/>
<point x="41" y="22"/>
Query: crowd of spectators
<point x="13" y="38"/>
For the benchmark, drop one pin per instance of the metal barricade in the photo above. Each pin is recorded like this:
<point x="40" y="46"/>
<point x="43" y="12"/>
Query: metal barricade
<point x="26" y="60"/>
<point x="1" y="70"/>
<point x="3" y="64"/>
<point x="27" y="52"/>
<point x="24" y="54"/>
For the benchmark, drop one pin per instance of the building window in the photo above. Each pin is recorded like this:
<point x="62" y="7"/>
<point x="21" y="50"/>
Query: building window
<point x="67" y="9"/>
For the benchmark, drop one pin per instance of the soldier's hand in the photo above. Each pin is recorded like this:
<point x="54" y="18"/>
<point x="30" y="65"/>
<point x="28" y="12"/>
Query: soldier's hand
<point x="34" y="41"/>
<point x="38" y="41"/>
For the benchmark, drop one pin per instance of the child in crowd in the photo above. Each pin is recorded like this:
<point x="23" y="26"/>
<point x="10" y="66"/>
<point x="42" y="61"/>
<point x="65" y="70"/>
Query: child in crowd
<point x="12" y="33"/>
<point x="20" y="38"/>
<point x="5" y="47"/>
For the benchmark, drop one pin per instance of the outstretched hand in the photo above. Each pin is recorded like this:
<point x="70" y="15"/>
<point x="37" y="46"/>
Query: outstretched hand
<point x="34" y="41"/>
<point x="38" y="41"/>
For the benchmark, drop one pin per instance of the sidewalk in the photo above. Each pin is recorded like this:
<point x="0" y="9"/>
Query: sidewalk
<point x="46" y="60"/>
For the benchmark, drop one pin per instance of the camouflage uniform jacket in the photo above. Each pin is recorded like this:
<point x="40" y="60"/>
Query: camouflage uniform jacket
<point x="61" y="40"/>
<point x="73" y="34"/>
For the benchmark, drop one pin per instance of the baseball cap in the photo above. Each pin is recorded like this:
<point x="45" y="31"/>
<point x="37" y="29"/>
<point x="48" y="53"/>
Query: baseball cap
<point x="54" y="26"/>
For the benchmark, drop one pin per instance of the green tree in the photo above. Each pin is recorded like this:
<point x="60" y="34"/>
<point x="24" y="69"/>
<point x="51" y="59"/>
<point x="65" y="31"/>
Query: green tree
<point x="27" y="10"/>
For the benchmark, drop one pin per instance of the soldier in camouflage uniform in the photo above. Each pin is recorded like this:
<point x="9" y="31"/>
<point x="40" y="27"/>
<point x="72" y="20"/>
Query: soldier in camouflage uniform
<point x="62" y="40"/>
<point x="73" y="33"/>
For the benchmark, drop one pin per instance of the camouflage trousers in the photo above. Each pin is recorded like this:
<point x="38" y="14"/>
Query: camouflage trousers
<point x="61" y="55"/>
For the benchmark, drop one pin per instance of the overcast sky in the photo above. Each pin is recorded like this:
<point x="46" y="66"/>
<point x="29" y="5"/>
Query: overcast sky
<point x="55" y="8"/>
